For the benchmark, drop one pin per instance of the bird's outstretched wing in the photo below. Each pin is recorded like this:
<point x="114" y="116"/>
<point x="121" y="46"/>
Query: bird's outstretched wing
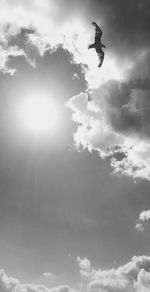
<point x="98" y="32"/>
<point x="101" y="58"/>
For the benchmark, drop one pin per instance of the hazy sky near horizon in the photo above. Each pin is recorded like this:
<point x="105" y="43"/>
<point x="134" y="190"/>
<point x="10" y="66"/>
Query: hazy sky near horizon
<point x="74" y="200"/>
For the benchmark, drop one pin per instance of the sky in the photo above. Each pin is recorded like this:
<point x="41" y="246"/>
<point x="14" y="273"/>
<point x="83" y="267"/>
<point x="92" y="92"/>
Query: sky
<point x="74" y="146"/>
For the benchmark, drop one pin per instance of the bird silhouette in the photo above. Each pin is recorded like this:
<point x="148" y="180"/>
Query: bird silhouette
<point x="97" y="45"/>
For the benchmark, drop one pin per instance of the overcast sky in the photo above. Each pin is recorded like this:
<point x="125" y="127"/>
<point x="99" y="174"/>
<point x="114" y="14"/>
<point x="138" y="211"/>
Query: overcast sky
<point x="74" y="200"/>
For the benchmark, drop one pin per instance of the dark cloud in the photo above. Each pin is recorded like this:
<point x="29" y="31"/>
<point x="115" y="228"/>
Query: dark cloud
<point x="139" y="83"/>
<point x="128" y="110"/>
<point x="117" y="98"/>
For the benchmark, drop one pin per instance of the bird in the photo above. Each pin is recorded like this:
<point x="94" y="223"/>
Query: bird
<point x="97" y="45"/>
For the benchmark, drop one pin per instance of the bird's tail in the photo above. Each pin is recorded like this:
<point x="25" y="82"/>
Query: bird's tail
<point x="91" y="46"/>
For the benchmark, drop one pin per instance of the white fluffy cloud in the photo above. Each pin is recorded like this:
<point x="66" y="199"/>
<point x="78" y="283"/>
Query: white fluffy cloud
<point x="8" y="284"/>
<point x="144" y="215"/>
<point x="13" y="17"/>
<point x="85" y="266"/>
<point x="115" y="124"/>
<point x="143" y="220"/>
<point x="133" y="276"/>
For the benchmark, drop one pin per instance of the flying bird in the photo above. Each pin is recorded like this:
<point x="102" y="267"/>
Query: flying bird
<point x="98" y="45"/>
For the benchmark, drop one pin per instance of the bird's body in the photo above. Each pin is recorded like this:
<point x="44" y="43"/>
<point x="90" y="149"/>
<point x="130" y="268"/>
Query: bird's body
<point x="98" y="44"/>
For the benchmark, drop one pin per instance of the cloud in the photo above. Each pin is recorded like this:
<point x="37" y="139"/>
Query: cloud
<point x="139" y="227"/>
<point x="85" y="266"/>
<point x="116" y="125"/>
<point x="143" y="220"/>
<point x="15" y="16"/>
<point x="49" y="275"/>
<point x="133" y="276"/>
<point x="144" y="215"/>
<point x="5" y="53"/>
<point x="47" y="31"/>
<point x="62" y="288"/>
<point x="8" y="284"/>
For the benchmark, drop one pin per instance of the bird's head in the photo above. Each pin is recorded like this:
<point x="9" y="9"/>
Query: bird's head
<point x="103" y="46"/>
<point x="94" y="23"/>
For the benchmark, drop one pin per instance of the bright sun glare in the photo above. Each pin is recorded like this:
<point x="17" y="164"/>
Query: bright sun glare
<point x="39" y="114"/>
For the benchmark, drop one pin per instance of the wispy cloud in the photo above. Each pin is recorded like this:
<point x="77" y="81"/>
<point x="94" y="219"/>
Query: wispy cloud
<point x="49" y="275"/>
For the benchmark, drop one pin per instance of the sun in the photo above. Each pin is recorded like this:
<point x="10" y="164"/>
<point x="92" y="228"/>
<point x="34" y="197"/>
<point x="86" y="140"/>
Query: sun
<point x="39" y="114"/>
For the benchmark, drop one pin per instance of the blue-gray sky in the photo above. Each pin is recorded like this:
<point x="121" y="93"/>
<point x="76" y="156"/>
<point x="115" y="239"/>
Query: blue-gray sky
<point x="74" y="200"/>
